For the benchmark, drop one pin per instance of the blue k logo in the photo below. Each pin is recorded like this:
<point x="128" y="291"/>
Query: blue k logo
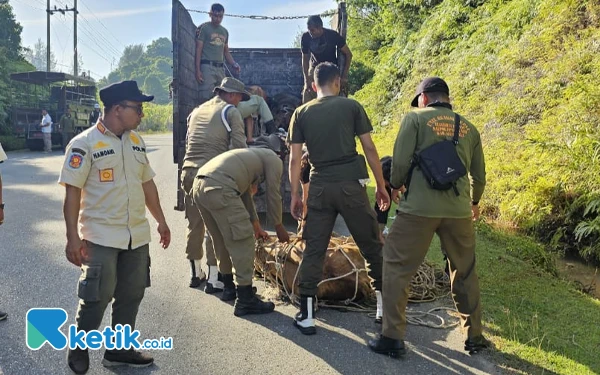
<point x="43" y="325"/>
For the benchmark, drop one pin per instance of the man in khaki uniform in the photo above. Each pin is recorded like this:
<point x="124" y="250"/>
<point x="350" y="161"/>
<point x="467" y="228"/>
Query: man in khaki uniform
<point x="329" y="126"/>
<point x="426" y="211"/>
<point x="223" y="190"/>
<point x="212" y="48"/>
<point x="67" y="126"/>
<point x="212" y="127"/>
<point x="256" y="106"/>
<point x="107" y="176"/>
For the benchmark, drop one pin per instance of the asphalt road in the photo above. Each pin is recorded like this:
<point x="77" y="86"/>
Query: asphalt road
<point x="207" y="338"/>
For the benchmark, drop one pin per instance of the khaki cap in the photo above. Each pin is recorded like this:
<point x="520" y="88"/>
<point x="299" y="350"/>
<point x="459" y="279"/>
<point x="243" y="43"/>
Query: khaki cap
<point x="230" y="84"/>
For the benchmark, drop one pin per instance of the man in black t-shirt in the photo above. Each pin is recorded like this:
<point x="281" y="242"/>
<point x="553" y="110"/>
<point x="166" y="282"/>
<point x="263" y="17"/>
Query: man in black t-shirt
<point x="321" y="45"/>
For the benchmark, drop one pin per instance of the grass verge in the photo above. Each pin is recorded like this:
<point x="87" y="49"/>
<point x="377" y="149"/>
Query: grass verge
<point x="539" y="323"/>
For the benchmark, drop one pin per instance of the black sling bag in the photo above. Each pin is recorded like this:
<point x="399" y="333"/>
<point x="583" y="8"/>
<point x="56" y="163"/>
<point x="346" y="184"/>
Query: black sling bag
<point x="440" y="163"/>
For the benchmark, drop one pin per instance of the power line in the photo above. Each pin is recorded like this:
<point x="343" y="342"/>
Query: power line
<point x="29" y="5"/>
<point x="103" y="25"/>
<point x="101" y="37"/>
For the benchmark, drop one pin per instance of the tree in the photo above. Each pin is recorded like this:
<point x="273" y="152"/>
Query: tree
<point x="161" y="47"/>
<point x="153" y="86"/>
<point x="37" y="56"/>
<point x="297" y="43"/>
<point x="10" y="32"/>
<point x="131" y="55"/>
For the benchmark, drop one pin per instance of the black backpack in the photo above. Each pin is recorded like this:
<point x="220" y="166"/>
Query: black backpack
<point x="440" y="163"/>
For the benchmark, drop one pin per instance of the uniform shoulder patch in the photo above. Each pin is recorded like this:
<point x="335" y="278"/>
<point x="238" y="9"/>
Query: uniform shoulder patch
<point x="75" y="160"/>
<point x="78" y="151"/>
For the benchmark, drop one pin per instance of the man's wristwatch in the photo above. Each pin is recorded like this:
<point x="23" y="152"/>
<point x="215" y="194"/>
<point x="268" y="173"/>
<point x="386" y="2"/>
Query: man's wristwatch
<point x="2" y="206"/>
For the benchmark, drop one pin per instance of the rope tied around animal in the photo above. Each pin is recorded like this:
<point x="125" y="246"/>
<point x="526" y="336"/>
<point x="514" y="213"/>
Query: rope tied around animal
<point x="346" y="284"/>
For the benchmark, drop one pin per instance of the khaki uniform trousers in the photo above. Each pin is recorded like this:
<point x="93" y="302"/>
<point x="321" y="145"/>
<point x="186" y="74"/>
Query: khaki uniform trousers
<point x="116" y="275"/>
<point x="325" y="202"/>
<point x="212" y="75"/>
<point x="228" y="223"/>
<point x="66" y="138"/>
<point x="47" y="141"/>
<point x="405" y="248"/>
<point x="195" y="229"/>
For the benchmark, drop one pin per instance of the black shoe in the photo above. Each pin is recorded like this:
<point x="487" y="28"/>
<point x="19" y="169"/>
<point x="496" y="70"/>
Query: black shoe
<point x="387" y="346"/>
<point x="476" y="344"/>
<point x="198" y="276"/>
<point x="3" y="315"/>
<point x="129" y="358"/>
<point x="229" y="293"/>
<point x="248" y="303"/>
<point x="210" y="289"/>
<point x="305" y="318"/>
<point x="78" y="360"/>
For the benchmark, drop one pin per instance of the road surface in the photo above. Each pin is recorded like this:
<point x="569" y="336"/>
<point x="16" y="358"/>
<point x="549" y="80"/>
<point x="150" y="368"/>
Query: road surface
<point x="207" y="338"/>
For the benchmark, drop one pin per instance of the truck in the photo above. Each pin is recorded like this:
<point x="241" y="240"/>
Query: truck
<point x="278" y="71"/>
<point x="53" y="91"/>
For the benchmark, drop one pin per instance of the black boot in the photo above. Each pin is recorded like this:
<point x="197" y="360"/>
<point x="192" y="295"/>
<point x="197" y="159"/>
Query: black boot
<point x="248" y="303"/>
<point x="387" y="346"/>
<point x="212" y="287"/>
<point x="228" y="288"/>
<point x="78" y="360"/>
<point x="305" y="318"/>
<point x="476" y="344"/>
<point x="198" y="276"/>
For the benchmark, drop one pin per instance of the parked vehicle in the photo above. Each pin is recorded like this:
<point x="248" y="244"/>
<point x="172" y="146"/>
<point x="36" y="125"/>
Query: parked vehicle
<point x="278" y="71"/>
<point x="53" y="91"/>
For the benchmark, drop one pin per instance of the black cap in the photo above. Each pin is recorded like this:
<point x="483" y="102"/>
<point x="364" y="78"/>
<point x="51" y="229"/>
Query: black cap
<point x="431" y="84"/>
<point x="125" y="90"/>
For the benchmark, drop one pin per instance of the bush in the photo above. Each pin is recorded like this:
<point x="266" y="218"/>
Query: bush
<point x="157" y="118"/>
<point x="527" y="73"/>
<point x="10" y="143"/>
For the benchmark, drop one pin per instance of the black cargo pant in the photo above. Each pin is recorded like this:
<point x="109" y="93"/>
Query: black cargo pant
<point x="325" y="202"/>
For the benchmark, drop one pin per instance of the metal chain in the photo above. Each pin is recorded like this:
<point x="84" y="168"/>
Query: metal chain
<point x="328" y="13"/>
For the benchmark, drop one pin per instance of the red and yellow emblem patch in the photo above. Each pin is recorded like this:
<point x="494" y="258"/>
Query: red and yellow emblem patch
<point x="75" y="161"/>
<point x="107" y="175"/>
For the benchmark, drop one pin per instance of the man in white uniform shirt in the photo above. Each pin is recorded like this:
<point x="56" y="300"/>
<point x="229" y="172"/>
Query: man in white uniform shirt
<point x="109" y="183"/>
<point x="46" y="126"/>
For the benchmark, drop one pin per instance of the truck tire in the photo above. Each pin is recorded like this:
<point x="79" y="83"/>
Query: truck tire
<point x="35" y="144"/>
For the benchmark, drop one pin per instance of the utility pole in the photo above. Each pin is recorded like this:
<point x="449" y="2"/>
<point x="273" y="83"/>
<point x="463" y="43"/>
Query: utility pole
<point x="75" y="61"/>
<point x="48" y="37"/>
<point x="62" y="11"/>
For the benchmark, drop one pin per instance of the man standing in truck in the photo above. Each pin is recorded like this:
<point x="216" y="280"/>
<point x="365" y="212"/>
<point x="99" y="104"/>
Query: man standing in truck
<point x="94" y="115"/>
<point x="319" y="45"/>
<point x="211" y="50"/>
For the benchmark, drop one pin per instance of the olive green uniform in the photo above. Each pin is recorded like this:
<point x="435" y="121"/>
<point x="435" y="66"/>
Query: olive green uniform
<point x="222" y="191"/>
<point x="329" y="126"/>
<point x="207" y="137"/>
<point x="67" y="124"/>
<point x="427" y="211"/>
<point x="214" y="39"/>
<point x="110" y="171"/>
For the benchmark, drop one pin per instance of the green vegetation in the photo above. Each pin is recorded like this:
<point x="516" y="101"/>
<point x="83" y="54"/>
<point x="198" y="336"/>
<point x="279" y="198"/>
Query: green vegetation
<point x="526" y="72"/>
<point x="150" y="67"/>
<point x="11" y="61"/>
